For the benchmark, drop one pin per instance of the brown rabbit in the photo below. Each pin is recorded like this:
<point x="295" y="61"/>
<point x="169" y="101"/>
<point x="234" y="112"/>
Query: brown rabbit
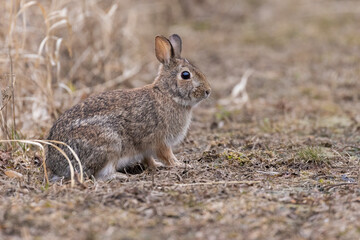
<point x="120" y="128"/>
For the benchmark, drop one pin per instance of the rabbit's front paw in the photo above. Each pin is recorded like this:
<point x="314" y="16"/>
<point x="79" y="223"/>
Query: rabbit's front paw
<point x="166" y="156"/>
<point x="183" y="165"/>
<point x="176" y="163"/>
<point x="151" y="163"/>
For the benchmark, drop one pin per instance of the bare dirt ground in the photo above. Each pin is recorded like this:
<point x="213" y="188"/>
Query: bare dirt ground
<point x="283" y="166"/>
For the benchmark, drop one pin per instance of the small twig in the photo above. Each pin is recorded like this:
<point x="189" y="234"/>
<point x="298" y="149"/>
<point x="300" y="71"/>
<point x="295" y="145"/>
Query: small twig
<point x="254" y="144"/>
<point x="192" y="184"/>
<point x="3" y="104"/>
<point x="270" y="173"/>
<point x="329" y="187"/>
<point x="178" y="176"/>
<point x="238" y="89"/>
<point x="214" y="183"/>
<point x="153" y="179"/>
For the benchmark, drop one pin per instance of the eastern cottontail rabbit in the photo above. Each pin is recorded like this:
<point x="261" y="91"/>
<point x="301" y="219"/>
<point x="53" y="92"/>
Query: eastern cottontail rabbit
<point x="120" y="128"/>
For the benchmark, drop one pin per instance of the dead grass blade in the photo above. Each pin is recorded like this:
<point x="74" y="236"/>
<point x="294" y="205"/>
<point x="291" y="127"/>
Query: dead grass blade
<point x="36" y="144"/>
<point x="12" y="88"/>
<point x="13" y="19"/>
<point x="73" y="153"/>
<point x="51" y="143"/>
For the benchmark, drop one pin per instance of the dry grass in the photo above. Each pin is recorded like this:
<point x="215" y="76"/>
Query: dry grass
<point x="274" y="154"/>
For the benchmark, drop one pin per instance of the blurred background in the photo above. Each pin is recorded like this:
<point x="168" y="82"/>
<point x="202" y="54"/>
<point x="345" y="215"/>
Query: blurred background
<point x="274" y="151"/>
<point x="303" y="56"/>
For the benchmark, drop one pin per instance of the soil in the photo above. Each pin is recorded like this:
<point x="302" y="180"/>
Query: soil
<point x="283" y="164"/>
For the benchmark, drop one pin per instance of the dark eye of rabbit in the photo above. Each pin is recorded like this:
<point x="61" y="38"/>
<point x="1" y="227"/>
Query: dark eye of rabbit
<point x="185" y="75"/>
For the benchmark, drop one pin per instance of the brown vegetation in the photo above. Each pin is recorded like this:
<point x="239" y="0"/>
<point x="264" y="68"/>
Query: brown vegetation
<point x="278" y="159"/>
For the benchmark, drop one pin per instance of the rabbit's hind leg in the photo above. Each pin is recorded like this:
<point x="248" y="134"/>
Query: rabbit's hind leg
<point x="107" y="171"/>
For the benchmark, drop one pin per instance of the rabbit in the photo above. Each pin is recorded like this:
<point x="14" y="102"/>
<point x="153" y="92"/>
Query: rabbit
<point x="124" y="127"/>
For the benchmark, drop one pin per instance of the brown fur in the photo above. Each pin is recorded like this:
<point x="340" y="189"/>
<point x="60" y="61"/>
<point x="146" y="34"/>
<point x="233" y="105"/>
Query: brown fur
<point x="120" y="128"/>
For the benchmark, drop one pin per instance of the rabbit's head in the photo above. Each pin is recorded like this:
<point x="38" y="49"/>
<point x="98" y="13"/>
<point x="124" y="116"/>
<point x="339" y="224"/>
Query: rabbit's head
<point x="184" y="82"/>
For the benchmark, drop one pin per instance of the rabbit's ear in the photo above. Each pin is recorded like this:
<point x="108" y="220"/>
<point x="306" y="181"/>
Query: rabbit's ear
<point x="176" y="43"/>
<point x="163" y="49"/>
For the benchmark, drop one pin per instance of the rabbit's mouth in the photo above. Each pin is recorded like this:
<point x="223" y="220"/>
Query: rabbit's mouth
<point x="193" y="97"/>
<point x="196" y="97"/>
<point x="200" y="94"/>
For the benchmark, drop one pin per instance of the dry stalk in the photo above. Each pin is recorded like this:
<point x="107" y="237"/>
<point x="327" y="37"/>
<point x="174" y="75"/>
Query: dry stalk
<point x="39" y="143"/>
<point x="234" y="101"/>
<point x="12" y="89"/>
<point x="215" y="183"/>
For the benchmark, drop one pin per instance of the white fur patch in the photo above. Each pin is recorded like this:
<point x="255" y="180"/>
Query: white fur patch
<point x="106" y="171"/>
<point x="98" y="122"/>
<point x="186" y="103"/>
<point x="116" y="165"/>
<point x="89" y="121"/>
<point x="128" y="161"/>
<point x="182" y="101"/>
<point x="195" y="83"/>
<point x="176" y="139"/>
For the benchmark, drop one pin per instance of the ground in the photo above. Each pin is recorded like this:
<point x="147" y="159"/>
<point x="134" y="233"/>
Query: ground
<point x="283" y="164"/>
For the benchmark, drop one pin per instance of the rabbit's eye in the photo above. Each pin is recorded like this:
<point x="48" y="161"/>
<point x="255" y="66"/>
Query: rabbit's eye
<point x="185" y="75"/>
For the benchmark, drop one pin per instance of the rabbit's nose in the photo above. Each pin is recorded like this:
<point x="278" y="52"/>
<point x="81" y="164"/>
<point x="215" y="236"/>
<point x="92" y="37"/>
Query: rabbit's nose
<point x="207" y="93"/>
